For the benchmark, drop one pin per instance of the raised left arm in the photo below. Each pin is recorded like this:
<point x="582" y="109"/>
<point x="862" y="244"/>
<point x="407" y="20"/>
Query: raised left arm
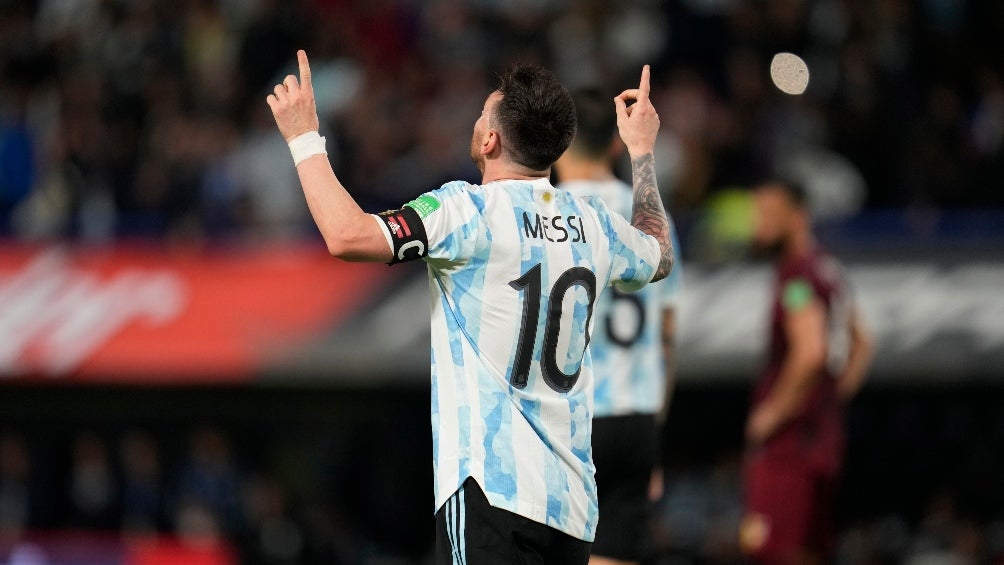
<point x="348" y="231"/>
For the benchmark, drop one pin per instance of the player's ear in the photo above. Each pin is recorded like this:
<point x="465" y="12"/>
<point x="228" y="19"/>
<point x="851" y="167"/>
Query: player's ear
<point x="491" y="144"/>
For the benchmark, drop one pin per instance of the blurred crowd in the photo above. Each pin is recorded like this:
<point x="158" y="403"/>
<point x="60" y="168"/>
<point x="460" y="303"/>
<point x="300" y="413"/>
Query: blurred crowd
<point x="202" y="490"/>
<point x="201" y="497"/>
<point x="324" y="483"/>
<point x="211" y="494"/>
<point x="147" y="117"/>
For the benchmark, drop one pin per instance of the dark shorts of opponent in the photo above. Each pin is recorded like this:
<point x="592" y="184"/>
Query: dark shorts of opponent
<point x="789" y="510"/>
<point x="469" y="531"/>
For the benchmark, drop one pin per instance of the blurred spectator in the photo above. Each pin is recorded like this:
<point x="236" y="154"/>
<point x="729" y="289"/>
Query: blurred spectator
<point x="16" y="504"/>
<point x="700" y="513"/>
<point x="93" y="489"/>
<point x="209" y="485"/>
<point x="274" y="537"/>
<point x="945" y="539"/>
<point x="259" y="165"/>
<point x="17" y="153"/>
<point x="196" y="524"/>
<point x="143" y="490"/>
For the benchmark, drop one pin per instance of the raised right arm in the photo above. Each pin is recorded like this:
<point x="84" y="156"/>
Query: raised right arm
<point x="638" y="125"/>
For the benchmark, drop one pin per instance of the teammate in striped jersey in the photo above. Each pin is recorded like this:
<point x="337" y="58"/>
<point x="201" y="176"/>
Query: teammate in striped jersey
<point x="514" y="267"/>
<point x="631" y="351"/>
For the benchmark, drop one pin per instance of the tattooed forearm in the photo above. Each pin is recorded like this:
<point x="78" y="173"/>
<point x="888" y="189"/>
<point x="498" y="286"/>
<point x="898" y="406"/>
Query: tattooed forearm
<point x="648" y="214"/>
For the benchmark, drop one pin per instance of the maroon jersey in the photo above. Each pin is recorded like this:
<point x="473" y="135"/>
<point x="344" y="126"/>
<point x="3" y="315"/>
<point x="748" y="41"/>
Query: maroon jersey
<point x="816" y="431"/>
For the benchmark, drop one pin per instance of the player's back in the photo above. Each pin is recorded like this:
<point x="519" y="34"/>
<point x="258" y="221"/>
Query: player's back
<point x="626" y="345"/>
<point x="514" y="285"/>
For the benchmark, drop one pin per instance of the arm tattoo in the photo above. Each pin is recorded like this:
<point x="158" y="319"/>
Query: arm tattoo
<point x="648" y="213"/>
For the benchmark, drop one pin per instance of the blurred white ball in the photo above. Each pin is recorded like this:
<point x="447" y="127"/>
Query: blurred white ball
<point x="789" y="73"/>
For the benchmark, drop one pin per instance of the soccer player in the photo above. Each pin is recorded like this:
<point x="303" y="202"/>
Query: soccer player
<point x="514" y="268"/>
<point x="631" y="348"/>
<point x="818" y="356"/>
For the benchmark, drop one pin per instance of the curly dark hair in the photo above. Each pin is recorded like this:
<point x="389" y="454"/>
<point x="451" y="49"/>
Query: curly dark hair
<point x="536" y="116"/>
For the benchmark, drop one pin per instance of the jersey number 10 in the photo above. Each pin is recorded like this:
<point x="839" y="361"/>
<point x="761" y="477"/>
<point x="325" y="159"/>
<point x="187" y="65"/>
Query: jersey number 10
<point x="530" y="285"/>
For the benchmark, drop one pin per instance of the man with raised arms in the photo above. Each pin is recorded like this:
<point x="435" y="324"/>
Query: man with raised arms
<point x="514" y="267"/>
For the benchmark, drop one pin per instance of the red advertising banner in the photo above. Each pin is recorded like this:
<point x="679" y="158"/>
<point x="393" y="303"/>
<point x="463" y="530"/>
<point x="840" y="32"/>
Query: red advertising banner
<point x="151" y="314"/>
<point x="91" y="548"/>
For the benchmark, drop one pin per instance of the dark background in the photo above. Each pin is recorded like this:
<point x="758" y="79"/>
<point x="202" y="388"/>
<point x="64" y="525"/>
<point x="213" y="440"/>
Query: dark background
<point x="363" y="456"/>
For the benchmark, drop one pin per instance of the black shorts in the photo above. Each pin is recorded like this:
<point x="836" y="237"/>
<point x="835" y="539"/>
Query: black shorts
<point x="469" y="531"/>
<point x="625" y="451"/>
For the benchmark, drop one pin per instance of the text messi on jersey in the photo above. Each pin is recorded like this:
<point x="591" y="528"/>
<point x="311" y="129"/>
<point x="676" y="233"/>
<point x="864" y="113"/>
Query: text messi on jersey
<point x="547" y="228"/>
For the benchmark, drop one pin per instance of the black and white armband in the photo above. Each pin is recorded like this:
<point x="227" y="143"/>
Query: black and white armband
<point x="405" y="233"/>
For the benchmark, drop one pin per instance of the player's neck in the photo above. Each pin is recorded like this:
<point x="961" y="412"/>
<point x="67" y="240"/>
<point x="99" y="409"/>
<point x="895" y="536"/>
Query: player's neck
<point x="800" y="244"/>
<point x="570" y="169"/>
<point x="504" y="171"/>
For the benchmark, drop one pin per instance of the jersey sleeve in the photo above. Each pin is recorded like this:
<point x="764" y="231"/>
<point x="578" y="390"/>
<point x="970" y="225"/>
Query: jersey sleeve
<point x="800" y="288"/>
<point x="635" y="254"/>
<point x="441" y="226"/>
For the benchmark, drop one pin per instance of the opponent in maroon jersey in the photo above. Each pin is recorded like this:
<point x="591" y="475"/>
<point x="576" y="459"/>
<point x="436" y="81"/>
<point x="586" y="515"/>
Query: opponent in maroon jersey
<point x="819" y="352"/>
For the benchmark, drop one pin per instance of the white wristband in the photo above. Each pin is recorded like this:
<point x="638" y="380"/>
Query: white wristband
<point x="306" y="145"/>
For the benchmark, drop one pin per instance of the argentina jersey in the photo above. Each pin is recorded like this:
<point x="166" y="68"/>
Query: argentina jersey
<point x="626" y="346"/>
<point x="514" y="270"/>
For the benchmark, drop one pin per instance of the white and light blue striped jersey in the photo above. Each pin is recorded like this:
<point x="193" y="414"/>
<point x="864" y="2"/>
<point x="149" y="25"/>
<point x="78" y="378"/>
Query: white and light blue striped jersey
<point x="626" y="346"/>
<point x="514" y="268"/>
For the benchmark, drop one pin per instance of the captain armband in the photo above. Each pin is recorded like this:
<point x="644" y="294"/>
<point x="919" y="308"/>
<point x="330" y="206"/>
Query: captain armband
<point x="407" y="234"/>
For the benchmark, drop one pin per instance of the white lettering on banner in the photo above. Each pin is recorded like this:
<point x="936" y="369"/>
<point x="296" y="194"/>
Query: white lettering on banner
<point x="725" y="309"/>
<point x="926" y="318"/>
<point x="53" y="316"/>
<point x="899" y="298"/>
<point x="912" y="307"/>
<point x="982" y="285"/>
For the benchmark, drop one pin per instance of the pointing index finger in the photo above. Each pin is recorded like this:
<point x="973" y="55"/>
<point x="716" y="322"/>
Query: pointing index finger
<point x="301" y="56"/>
<point x="644" y="86"/>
